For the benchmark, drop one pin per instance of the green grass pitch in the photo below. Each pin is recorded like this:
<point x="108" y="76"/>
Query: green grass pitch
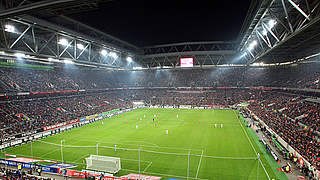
<point x="215" y="153"/>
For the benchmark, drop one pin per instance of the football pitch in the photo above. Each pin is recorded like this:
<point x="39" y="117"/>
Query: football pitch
<point x="178" y="144"/>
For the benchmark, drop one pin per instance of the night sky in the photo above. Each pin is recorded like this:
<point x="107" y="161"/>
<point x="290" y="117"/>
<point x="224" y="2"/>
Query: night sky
<point x="151" y="22"/>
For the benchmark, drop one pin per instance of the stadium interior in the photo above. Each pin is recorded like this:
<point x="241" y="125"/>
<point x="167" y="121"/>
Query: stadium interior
<point x="55" y="71"/>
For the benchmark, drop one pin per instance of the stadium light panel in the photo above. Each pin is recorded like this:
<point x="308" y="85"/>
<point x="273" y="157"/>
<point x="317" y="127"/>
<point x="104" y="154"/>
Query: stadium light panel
<point x="103" y="52"/>
<point x="113" y="55"/>
<point x="252" y="45"/>
<point x="19" y="55"/>
<point x="80" y="46"/>
<point x="63" y="42"/>
<point x="9" y="28"/>
<point x="137" y="68"/>
<point x="272" y="23"/>
<point x="68" y="62"/>
<point x="264" y="32"/>
<point x="129" y="59"/>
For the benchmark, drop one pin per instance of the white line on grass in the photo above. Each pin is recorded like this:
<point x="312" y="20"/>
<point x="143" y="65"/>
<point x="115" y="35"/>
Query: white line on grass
<point x="42" y="156"/>
<point x="199" y="165"/>
<point x="118" y="143"/>
<point x="147" y="167"/>
<point x="38" y="157"/>
<point x="82" y="157"/>
<point x="253" y="147"/>
<point x="135" y="160"/>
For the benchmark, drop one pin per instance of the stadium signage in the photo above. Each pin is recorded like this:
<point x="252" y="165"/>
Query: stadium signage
<point x="28" y="165"/>
<point x="141" y="176"/>
<point x="168" y="107"/>
<point x="60" y="125"/>
<point x="81" y="174"/>
<point x="52" y="92"/>
<point x="185" y="106"/>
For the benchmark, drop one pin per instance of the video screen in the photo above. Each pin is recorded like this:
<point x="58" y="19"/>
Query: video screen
<point x="186" y="62"/>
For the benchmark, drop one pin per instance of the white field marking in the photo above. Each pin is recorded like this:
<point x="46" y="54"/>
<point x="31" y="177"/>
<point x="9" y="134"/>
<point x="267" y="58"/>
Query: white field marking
<point x="38" y="157"/>
<point x="134" y="160"/>
<point x="160" y="152"/>
<point x="147" y="167"/>
<point x="199" y="165"/>
<point x="49" y="152"/>
<point x="233" y="158"/>
<point x="159" y="147"/>
<point x="142" y="142"/>
<point x="253" y="147"/>
<point x="248" y="138"/>
<point x="82" y="157"/>
<point x="160" y="174"/>
<point x="225" y="123"/>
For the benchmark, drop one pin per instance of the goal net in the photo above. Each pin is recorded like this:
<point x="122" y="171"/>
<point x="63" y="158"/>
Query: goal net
<point x="103" y="163"/>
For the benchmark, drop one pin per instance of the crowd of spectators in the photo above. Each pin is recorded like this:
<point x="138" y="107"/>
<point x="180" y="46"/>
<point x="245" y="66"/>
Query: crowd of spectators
<point x="283" y="122"/>
<point x="21" y="117"/>
<point x="290" y="116"/>
<point x="30" y="80"/>
<point x="305" y="112"/>
<point x="13" y="174"/>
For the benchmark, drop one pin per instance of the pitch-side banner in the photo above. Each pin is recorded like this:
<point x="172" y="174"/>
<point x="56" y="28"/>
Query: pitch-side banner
<point x="28" y="165"/>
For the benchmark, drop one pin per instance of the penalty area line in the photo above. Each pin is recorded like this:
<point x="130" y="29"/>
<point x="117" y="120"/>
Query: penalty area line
<point x="147" y="167"/>
<point x="199" y="164"/>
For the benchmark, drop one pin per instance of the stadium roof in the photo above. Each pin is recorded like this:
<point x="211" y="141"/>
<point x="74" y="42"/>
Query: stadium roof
<point x="282" y="31"/>
<point x="274" y="31"/>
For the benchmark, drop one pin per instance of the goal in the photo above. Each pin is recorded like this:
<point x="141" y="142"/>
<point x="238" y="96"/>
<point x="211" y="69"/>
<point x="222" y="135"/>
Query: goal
<point x="103" y="163"/>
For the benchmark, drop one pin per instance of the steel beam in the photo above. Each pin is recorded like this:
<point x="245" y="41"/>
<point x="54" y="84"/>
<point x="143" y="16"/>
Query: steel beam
<point x="299" y="9"/>
<point x="32" y="7"/>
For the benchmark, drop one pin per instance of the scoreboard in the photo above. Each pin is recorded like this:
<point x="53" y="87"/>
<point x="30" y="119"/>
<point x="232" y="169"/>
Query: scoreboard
<point x="186" y="62"/>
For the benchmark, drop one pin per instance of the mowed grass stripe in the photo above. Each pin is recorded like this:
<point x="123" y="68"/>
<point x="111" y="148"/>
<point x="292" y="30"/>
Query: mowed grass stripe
<point x="192" y="131"/>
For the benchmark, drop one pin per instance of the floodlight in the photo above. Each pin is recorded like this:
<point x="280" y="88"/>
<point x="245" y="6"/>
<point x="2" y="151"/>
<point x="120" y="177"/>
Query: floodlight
<point x="113" y="55"/>
<point x="19" y="55"/>
<point x="63" y="42"/>
<point x="137" y="67"/>
<point x="68" y="62"/>
<point x="272" y="23"/>
<point x="129" y="59"/>
<point x="9" y="28"/>
<point x="264" y="32"/>
<point x="80" y="46"/>
<point x="252" y="45"/>
<point x="103" y="52"/>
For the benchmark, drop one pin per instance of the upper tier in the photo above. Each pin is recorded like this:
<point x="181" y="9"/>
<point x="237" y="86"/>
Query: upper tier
<point x="30" y="80"/>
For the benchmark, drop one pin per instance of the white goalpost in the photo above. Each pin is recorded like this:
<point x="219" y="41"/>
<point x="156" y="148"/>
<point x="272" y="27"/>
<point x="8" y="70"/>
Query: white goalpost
<point x="103" y="163"/>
